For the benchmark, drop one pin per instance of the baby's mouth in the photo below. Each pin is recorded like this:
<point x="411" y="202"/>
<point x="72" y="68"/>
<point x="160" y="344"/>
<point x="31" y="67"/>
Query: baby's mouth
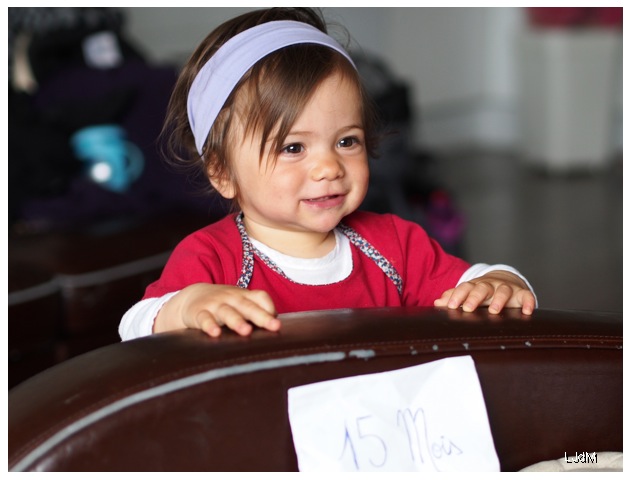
<point x="322" y="199"/>
<point x="326" y="201"/>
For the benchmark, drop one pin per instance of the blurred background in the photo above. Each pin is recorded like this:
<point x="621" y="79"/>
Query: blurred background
<point x="519" y="109"/>
<point x="507" y="147"/>
<point x="466" y="67"/>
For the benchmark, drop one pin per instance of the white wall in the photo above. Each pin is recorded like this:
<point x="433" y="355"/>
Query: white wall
<point x="460" y="62"/>
<point x="170" y="34"/>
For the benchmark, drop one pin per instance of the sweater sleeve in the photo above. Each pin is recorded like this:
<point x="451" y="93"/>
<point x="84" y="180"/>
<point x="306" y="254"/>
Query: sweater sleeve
<point x="427" y="270"/>
<point x="209" y="255"/>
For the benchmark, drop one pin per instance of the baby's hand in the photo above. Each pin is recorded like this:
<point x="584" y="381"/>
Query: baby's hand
<point x="208" y="307"/>
<point x="496" y="289"/>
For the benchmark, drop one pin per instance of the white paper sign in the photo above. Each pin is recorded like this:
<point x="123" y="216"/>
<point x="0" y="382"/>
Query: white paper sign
<point x="429" y="417"/>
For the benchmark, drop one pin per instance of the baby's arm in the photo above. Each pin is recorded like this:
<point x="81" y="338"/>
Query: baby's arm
<point x="203" y="306"/>
<point x="497" y="289"/>
<point x="208" y="307"/>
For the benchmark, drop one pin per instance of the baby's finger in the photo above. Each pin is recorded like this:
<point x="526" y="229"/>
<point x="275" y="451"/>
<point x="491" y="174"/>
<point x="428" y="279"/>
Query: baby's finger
<point x="260" y="310"/>
<point x="443" y="300"/>
<point x="233" y="319"/>
<point x="207" y="323"/>
<point x="528" y="302"/>
<point x="263" y="300"/>
<point x="479" y="293"/>
<point x="459" y="294"/>
<point x="501" y="296"/>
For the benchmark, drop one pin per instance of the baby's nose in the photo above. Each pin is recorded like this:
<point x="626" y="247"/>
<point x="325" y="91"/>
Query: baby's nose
<point x="328" y="167"/>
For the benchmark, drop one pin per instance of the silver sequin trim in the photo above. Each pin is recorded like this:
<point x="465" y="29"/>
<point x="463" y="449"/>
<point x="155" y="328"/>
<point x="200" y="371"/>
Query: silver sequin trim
<point x="357" y="240"/>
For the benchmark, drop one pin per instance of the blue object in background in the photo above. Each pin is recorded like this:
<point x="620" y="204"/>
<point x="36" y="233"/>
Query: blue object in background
<point x="113" y="161"/>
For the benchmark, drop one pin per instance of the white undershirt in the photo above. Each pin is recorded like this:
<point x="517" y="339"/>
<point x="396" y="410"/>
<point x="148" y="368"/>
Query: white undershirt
<point x="331" y="268"/>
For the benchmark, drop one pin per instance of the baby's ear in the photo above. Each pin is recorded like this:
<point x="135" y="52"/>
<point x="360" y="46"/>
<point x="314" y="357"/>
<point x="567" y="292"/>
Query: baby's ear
<point x="222" y="183"/>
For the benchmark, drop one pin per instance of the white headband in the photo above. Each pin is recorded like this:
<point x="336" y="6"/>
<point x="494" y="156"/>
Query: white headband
<point x="218" y="77"/>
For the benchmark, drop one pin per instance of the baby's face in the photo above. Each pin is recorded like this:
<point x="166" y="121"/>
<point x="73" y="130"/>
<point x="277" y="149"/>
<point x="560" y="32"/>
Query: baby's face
<point x="321" y="172"/>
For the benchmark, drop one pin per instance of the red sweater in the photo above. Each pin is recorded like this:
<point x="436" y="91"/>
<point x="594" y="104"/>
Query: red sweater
<point x="214" y="254"/>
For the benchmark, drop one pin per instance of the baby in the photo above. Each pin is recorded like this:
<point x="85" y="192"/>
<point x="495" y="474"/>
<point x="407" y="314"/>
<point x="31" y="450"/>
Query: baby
<point x="273" y="110"/>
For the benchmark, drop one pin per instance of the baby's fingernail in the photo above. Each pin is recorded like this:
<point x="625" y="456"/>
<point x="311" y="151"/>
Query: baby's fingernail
<point x="211" y="328"/>
<point x="468" y="307"/>
<point x="495" y="308"/>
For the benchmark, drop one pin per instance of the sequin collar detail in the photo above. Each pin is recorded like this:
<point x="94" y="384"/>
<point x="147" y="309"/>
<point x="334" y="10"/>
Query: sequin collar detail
<point x="357" y="240"/>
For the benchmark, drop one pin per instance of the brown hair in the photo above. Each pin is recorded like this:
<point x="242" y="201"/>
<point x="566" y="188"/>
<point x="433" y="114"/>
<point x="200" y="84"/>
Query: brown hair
<point x="277" y="88"/>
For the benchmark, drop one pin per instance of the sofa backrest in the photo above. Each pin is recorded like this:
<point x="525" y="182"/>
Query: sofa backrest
<point x="182" y="401"/>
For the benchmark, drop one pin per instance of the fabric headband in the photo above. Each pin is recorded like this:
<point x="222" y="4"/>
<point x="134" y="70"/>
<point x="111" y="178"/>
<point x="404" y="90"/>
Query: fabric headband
<point x="218" y="77"/>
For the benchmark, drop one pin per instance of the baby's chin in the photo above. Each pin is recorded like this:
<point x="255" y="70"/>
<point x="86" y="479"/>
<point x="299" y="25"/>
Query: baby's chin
<point x="327" y="223"/>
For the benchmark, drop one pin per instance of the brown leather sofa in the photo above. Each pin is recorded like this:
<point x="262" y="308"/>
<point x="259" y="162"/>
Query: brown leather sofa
<point x="182" y="401"/>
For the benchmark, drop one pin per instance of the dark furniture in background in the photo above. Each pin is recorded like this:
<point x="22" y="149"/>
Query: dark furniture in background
<point x="69" y="289"/>
<point x="80" y="251"/>
<point x="183" y="401"/>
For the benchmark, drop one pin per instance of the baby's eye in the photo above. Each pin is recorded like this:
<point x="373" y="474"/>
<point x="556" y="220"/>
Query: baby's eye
<point x="293" y="149"/>
<point x="348" y="142"/>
